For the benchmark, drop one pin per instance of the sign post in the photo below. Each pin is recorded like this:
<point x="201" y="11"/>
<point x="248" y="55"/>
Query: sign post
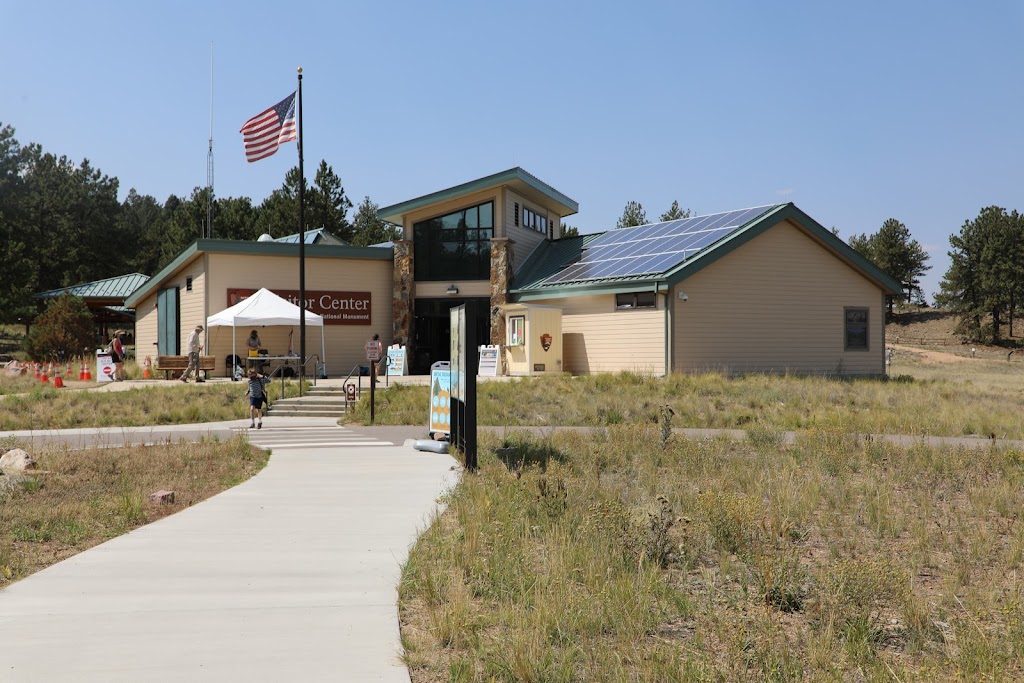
<point x="464" y="366"/>
<point x="373" y="352"/>
<point x="104" y="367"/>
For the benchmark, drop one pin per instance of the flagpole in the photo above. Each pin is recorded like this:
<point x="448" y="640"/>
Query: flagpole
<point x="302" y="250"/>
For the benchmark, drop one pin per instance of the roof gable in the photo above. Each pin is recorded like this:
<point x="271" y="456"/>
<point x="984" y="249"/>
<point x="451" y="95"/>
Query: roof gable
<point x="616" y="260"/>
<point x="118" y="287"/>
<point x="517" y="178"/>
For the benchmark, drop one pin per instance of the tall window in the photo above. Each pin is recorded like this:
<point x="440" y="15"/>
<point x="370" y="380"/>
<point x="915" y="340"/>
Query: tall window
<point x="856" y="338"/>
<point x="456" y="246"/>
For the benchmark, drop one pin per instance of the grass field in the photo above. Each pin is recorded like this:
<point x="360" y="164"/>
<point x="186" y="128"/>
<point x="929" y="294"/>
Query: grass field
<point x="80" y="498"/>
<point x="975" y="398"/>
<point x="626" y="558"/>
<point x="44" y="407"/>
<point x="633" y="555"/>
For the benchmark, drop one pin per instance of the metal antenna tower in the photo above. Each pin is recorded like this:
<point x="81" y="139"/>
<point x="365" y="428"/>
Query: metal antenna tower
<point x="209" y="160"/>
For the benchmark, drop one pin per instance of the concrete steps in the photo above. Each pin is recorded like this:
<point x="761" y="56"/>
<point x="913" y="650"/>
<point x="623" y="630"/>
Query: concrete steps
<point x="319" y="402"/>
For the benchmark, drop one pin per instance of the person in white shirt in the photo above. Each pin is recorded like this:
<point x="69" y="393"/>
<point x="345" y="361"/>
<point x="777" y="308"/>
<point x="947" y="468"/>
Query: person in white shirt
<point x="193" y="345"/>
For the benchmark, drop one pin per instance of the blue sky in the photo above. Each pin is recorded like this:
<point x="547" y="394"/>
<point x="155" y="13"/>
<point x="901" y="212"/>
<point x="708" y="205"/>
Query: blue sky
<point x="857" y="113"/>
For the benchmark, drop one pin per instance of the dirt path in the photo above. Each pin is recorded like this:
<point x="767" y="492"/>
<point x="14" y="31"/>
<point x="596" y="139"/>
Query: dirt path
<point x="934" y="356"/>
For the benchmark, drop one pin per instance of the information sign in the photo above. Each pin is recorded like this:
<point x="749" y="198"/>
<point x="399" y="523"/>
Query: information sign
<point x="374" y="349"/>
<point x="489" y="361"/>
<point x="396" y="361"/>
<point x="104" y="367"/>
<point x="440" y="420"/>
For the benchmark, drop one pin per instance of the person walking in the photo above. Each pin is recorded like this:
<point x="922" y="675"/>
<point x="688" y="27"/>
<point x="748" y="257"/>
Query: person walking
<point x="117" y="355"/>
<point x="194" y="346"/>
<point x="257" y="396"/>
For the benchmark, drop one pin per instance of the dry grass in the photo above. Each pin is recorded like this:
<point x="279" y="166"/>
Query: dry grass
<point x="617" y="558"/>
<point x="974" y="398"/>
<point x="44" y="407"/>
<point x="82" y="498"/>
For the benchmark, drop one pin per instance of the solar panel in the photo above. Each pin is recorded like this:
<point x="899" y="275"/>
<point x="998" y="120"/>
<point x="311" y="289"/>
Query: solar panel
<point x="654" y="248"/>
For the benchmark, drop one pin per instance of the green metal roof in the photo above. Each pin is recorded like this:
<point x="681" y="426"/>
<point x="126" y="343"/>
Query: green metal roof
<point x="553" y="256"/>
<point x="246" y="248"/>
<point x="393" y="213"/>
<point x="118" y="287"/>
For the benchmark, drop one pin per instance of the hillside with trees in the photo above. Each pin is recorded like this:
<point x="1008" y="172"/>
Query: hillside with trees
<point x="61" y="222"/>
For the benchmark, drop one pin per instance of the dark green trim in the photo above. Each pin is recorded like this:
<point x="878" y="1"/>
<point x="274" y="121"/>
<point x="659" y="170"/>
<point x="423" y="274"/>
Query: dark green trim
<point x="393" y="213"/>
<point x="155" y="281"/>
<point x="770" y="219"/>
<point x="734" y="240"/>
<point x="256" y="249"/>
<point x="569" y="292"/>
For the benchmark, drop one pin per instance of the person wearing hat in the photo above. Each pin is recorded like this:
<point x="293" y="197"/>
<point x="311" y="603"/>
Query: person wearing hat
<point x="193" y="345"/>
<point x="117" y="355"/>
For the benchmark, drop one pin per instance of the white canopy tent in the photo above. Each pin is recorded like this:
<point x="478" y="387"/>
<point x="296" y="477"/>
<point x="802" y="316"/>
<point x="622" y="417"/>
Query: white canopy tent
<point x="266" y="308"/>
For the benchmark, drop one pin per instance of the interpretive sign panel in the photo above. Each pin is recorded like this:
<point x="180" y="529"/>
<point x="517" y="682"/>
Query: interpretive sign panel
<point x="489" y="361"/>
<point x="396" y="361"/>
<point x="440" y="420"/>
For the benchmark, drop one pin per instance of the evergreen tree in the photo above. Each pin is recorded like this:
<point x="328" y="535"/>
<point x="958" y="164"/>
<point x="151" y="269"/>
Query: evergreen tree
<point x="570" y="230"/>
<point x="674" y="213"/>
<point x="632" y="216"/>
<point x="985" y="277"/>
<point x="893" y="250"/>
<point x="368" y="229"/>
<point x="19" y="274"/>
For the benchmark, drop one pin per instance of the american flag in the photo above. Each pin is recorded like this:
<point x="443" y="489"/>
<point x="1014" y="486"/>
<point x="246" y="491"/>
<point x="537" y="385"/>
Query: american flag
<point x="264" y="132"/>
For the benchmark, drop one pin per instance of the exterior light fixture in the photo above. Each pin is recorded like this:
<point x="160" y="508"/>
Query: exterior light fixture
<point x="452" y="289"/>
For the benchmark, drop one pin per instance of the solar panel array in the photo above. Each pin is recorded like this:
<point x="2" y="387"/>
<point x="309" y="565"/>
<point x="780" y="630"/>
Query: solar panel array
<point x="650" y="249"/>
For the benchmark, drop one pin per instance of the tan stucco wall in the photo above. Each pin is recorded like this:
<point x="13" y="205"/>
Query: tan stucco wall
<point x="190" y="306"/>
<point x="775" y="304"/>
<point x="598" y="338"/>
<point x="344" y="343"/>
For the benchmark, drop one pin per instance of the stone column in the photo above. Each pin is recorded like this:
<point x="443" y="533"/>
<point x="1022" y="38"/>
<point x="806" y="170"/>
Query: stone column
<point x="404" y="282"/>
<point x="501" y="280"/>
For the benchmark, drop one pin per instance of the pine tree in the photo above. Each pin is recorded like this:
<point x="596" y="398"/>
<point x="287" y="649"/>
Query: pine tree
<point x="632" y="216"/>
<point x="674" y="213"/>
<point x="368" y="229"/>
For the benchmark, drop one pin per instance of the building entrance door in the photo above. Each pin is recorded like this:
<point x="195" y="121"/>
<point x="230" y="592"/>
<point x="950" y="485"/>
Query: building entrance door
<point x="432" y="330"/>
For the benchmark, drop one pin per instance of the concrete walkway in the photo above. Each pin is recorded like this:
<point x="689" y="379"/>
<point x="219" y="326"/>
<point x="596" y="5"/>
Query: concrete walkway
<point x="290" y="576"/>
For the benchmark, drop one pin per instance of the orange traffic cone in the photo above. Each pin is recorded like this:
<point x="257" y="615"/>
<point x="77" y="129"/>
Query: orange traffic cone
<point x="58" y="382"/>
<point x="81" y="371"/>
<point x="88" y="372"/>
<point x="35" y="368"/>
<point x="145" y="371"/>
<point x="45" y="376"/>
<point x="68" y="370"/>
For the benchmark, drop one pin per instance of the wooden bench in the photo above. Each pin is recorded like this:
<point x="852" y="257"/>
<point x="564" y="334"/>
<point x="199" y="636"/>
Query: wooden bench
<point x="178" y="364"/>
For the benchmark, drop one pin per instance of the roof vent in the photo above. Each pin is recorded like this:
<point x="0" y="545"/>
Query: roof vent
<point x="265" y="237"/>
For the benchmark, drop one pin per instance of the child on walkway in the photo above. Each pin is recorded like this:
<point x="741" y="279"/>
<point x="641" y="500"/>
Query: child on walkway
<point x="256" y="394"/>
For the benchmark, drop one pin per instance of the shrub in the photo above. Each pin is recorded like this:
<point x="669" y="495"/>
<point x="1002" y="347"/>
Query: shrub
<point x="62" y="331"/>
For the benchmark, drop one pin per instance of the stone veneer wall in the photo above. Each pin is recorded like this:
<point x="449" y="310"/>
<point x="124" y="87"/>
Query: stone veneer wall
<point x="402" y="301"/>
<point x="501" y="279"/>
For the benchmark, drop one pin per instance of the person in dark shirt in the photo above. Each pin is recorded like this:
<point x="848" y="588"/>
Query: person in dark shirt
<point x="256" y="394"/>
